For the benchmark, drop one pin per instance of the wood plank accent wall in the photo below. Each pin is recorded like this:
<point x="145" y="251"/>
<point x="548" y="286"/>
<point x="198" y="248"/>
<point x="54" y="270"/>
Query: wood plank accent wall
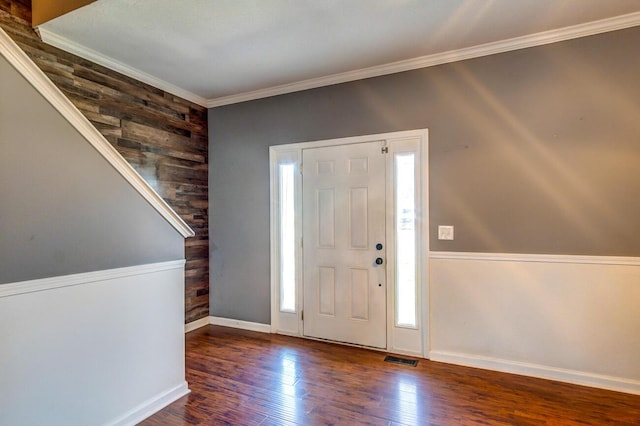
<point x="164" y="137"/>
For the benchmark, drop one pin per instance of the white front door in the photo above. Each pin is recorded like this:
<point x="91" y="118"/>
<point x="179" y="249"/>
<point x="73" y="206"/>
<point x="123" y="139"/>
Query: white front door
<point x="343" y="218"/>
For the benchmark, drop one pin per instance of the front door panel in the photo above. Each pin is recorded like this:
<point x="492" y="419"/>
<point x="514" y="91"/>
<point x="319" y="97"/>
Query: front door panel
<point x="343" y="222"/>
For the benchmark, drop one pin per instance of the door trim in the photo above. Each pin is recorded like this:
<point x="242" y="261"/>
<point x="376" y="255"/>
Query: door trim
<point x="290" y="323"/>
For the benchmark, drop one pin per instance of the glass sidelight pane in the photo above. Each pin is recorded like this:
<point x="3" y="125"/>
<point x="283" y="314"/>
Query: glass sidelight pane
<point x="405" y="203"/>
<point x="287" y="238"/>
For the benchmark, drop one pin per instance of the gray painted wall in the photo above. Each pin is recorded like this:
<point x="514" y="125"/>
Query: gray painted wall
<point x="63" y="208"/>
<point x="531" y="151"/>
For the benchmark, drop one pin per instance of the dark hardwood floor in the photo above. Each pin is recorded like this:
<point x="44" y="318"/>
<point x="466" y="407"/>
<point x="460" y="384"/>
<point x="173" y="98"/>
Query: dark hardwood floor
<point x="245" y="378"/>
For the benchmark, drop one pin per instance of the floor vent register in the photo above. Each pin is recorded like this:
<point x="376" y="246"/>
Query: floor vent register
<point x="402" y="361"/>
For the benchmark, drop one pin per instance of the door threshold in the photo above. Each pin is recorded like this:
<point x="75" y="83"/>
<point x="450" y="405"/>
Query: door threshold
<point x="338" y="342"/>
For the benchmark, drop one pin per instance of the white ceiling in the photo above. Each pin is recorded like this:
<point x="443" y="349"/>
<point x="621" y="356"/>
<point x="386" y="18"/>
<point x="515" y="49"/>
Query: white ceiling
<point x="216" y="52"/>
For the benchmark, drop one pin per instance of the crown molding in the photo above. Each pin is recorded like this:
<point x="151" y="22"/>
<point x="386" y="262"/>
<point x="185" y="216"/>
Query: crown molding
<point x="523" y="42"/>
<point x="37" y="78"/>
<point x="70" y="46"/>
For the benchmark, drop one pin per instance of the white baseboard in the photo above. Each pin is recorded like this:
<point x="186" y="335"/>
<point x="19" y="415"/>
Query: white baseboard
<point x="152" y="406"/>
<point x="194" y="325"/>
<point x="244" y="325"/>
<point x="227" y="322"/>
<point x="534" y="370"/>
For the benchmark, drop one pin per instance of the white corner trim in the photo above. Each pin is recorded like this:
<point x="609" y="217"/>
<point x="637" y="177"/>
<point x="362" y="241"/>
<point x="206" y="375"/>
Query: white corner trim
<point x="34" y="75"/>
<point x="531" y="40"/>
<point x="194" y="325"/>
<point x="618" y="384"/>
<point x="541" y="258"/>
<point x="43" y="284"/>
<point x="243" y="325"/>
<point x="151" y="406"/>
<point x="70" y="46"/>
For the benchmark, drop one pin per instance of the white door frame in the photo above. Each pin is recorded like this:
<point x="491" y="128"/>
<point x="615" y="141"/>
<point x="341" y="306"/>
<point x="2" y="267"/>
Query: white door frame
<point x="402" y="340"/>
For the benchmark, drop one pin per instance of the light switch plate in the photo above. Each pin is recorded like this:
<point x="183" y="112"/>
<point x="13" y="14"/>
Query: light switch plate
<point x="445" y="232"/>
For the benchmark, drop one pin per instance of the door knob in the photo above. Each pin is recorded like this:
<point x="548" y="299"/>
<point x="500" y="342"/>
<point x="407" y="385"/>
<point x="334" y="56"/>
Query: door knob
<point x="379" y="261"/>
<point x="378" y="246"/>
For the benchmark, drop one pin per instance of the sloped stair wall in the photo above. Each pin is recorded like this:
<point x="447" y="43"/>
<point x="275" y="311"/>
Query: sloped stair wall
<point x="162" y="136"/>
<point x="91" y="268"/>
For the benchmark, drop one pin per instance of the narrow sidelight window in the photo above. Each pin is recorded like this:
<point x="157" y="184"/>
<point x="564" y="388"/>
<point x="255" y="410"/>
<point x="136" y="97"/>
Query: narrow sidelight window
<point x="405" y="215"/>
<point x="287" y="238"/>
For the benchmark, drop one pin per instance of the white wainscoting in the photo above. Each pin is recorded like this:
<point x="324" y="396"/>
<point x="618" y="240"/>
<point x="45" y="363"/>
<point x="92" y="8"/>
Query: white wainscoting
<point x="103" y="347"/>
<point x="568" y="318"/>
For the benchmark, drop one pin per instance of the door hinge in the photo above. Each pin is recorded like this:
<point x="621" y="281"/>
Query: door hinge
<point x="384" y="149"/>
<point x="302" y="314"/>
